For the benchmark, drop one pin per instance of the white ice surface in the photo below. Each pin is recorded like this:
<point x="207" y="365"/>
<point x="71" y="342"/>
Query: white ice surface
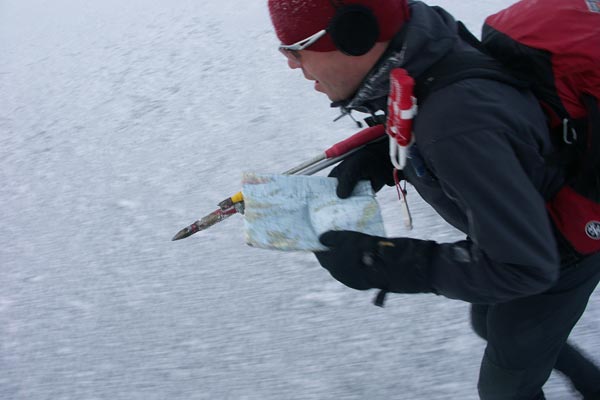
<point x="123" y="121"/>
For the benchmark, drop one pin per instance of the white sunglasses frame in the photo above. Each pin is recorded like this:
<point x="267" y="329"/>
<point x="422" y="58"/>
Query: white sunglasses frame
<point x="304" y="43"/>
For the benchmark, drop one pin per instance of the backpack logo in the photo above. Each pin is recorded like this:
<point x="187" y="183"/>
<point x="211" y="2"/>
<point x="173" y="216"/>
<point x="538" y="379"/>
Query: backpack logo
<point x="592" y="229"/>
<point x="593" y="5"/>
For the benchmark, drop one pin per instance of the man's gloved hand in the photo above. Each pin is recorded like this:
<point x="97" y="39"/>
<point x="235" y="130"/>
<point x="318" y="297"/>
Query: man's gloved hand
<point x="364" y="262"/>
<point x="371" y="162"/>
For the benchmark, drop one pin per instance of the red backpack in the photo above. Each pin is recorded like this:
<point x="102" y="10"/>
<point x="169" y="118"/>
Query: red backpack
<point x="555" y="46"/>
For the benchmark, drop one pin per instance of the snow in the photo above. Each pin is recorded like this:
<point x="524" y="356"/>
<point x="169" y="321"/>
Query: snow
<point x="122" y="122"/>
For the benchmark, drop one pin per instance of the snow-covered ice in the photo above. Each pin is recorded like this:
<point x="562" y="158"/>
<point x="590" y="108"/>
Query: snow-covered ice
<point x="123" y="121"/>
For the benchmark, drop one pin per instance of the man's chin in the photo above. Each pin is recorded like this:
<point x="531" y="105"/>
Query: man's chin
<point x="321" y="89"/>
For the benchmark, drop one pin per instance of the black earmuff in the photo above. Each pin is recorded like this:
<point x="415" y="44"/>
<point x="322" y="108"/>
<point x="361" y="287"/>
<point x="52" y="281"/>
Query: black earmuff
<point x="354" y="29"/>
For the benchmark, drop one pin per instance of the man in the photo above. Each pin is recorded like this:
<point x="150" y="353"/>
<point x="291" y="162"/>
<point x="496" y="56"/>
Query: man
<point x="478" y="159"/>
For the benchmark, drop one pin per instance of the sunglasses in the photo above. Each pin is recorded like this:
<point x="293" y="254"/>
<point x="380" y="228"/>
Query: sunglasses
<point x="291" y="50"/>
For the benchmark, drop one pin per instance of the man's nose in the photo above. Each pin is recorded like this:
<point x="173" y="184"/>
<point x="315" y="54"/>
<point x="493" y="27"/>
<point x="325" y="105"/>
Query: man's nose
<point x="294" y="63"/>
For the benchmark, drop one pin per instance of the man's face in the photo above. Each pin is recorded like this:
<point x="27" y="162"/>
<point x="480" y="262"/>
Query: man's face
<point x="335" y="74"/>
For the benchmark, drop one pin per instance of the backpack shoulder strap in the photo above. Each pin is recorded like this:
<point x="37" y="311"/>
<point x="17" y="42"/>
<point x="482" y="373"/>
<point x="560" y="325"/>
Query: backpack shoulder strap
<point x="587" y="181"/>
<point x="461" y="65"/>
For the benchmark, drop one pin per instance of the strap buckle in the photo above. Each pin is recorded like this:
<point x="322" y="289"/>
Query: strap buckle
<point x="573" y="136"/>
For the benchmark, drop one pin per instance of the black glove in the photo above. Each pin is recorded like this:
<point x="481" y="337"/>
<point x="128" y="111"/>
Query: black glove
<point x="363" y="262"/>
<point x="372" y="162"/>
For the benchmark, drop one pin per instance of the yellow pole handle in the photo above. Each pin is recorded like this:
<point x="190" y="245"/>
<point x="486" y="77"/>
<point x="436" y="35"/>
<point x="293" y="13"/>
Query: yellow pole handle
<point x="236" y="198"/>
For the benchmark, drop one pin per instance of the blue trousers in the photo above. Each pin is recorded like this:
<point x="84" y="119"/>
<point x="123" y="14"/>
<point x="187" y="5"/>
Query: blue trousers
<point x="527" y="338"/>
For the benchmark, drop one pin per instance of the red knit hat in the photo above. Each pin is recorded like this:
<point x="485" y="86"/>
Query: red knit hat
<point x="295" y="20"/>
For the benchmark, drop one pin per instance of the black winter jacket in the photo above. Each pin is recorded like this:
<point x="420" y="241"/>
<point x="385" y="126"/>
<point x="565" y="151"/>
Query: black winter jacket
<point x="478" y="160"/>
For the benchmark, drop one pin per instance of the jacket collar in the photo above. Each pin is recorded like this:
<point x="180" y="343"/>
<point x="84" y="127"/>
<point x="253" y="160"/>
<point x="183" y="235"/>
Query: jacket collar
<point x="426" y="38"/>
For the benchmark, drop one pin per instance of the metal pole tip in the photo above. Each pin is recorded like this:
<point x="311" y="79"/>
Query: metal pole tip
<point x="185" y="232"/>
